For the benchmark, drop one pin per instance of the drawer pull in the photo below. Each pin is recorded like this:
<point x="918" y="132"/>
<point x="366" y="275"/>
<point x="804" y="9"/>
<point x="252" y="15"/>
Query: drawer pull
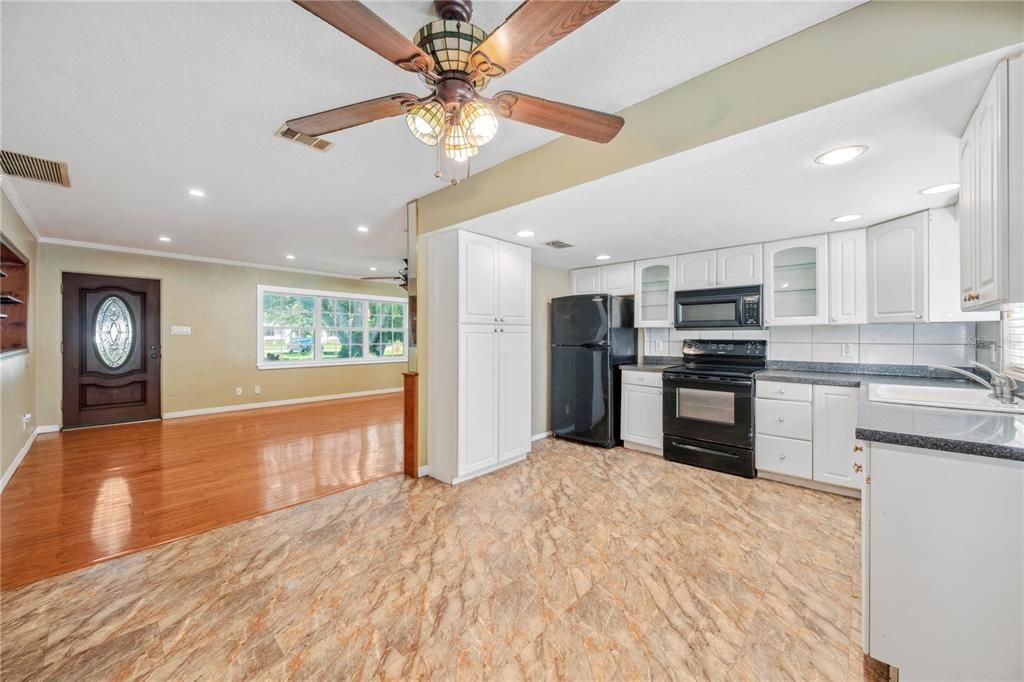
<point x="782" y="419"/>
<point x="858" y="448"/>
<point x="858" y="467"/>
<point x="782" y="391"/>
<point x="782" y="455"/>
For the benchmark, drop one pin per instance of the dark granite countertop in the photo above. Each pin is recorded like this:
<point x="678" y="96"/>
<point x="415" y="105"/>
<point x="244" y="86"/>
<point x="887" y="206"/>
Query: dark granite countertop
<point x="646" y="367"/>
<point x="987" y="434"/>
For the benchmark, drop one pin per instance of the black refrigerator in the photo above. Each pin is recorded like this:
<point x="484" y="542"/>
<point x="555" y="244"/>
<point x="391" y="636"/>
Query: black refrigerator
<point x="591" y="335"/>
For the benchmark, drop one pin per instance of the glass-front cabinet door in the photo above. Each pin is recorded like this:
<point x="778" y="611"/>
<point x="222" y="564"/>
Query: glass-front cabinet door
<point x="796" y="281"/>
<point x="655" y="295"/>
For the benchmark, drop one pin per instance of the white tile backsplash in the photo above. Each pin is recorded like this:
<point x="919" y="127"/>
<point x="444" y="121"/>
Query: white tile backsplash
<point x="716" y="334"/>
<point x="887" y="353"/>
<point x="833" y="352"/>
<point x="790" y="352"/>
<point x="750" y="334"/>
<point x="835" y="333"/>
<point x="945" y="333"/>
<point x="933" y="354"/>
<point x="790" y="334"/>
<point x="887" y="333"/>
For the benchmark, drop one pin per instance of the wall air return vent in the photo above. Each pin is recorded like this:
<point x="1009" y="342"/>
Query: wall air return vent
<point x="317" y="143"/>
<point x="33" y="168"/>
<point x="556" y="244"/>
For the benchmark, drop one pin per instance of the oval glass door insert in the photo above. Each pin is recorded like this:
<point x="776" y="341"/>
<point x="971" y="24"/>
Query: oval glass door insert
<point x="114" y="332"/>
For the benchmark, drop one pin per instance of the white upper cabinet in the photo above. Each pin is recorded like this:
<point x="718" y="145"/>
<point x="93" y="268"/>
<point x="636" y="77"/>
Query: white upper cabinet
<point x="739" y="266"/>
<point x="847" y="277"/>
<point x="617" y="279"/>
<point x="696" y="270"/>
<point x="494" y="281"/>
<point x="796" y="290"/>
<point x="944" y="257"/>
<point x="655" y="295"/>
<point x="585" y="280"/>
<point x="514" y="275"/>
<point x="478" y="280"/>
<point x="898" y="270"/>
<point x="985" y="197"/>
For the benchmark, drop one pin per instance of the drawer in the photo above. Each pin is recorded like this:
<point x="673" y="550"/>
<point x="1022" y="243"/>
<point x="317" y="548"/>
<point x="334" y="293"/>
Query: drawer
<point x="783" y="418"/>
<point x="637" y="378"/>
<point x="780" y="390"/>
<point x="783" y="456"/>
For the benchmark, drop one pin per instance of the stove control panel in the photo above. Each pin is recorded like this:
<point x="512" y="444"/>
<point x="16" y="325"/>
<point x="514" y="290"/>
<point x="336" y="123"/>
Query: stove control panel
<point x="757" y="349"/>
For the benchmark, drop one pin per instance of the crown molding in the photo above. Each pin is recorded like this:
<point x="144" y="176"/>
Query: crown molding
<point x="8" y="188"/>
<point x="200" y="259"/>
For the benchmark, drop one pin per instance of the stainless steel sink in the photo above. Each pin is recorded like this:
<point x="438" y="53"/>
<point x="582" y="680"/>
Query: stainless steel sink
<point x="942" y="396"/>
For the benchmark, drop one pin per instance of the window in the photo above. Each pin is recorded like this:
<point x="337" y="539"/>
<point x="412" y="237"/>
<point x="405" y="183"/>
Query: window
<point x="315" y="328"/>
<point x="1013" y="340"/>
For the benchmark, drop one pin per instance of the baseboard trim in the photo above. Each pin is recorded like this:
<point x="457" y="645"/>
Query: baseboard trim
<point x="807" y="483"/>
<point x="278" y="403"/>
<point x="539" y="436"/>
<point x="48" y="428"/>
<point x="9" y="474"/>
<point x="424" y="470"/>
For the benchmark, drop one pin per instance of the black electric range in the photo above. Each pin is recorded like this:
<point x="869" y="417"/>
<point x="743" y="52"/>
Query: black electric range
<point x="708" y="405"/>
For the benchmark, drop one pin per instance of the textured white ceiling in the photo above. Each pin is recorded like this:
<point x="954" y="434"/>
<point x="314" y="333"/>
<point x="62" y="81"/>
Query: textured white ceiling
<point x="147" y="99"/>
<point x="763" y="184"/>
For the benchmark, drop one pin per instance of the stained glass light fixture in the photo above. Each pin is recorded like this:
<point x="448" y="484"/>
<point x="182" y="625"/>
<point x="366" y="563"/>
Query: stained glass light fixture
<point x="457" y="145"/>
<point x="450" y="42"/>
<point x="480" y="123"/>
<point x="426" y="121"/>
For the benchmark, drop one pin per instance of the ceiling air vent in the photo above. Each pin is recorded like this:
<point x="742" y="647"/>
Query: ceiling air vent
<point x="317" y="143"/>
<point x="556" y="244"/>
<point x="33" y="168"/>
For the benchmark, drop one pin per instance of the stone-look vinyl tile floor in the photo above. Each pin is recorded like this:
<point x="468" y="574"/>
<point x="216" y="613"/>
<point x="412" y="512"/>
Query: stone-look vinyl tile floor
<point x="577" y="564"/>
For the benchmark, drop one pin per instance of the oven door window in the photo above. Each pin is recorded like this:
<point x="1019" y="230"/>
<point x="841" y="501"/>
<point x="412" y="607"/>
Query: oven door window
<point x="708" y="312"/>
<point x="706" y="405"/>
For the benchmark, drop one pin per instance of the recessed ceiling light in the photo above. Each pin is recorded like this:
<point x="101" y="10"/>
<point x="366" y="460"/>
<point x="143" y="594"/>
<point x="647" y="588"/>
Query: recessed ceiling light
<point x="847" y="218"/>
<point x="840" y="156"/>
<point x="165" y="239"/>
<point x="603" y="256"/>
<point x="290" y="256"/>
<point x="373" y="269"/>
<point x="941" y="189"/>
<point x="363" y="228"/>
<point x="196" y="192"/>
<point x="524" y="233"/>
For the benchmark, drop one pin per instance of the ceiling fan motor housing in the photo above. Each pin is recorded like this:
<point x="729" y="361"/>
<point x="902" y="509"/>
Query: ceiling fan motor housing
<point x="460" y="10"/>
<point x="453" y="90"/>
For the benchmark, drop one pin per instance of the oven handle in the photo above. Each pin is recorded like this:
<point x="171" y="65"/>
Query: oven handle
<point x="717" y="453"/>
<point x="729" y="381"/>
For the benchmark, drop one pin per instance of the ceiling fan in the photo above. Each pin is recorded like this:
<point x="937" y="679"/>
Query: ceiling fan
<point x="401" y="279"/>
<point x="457" y="60"/>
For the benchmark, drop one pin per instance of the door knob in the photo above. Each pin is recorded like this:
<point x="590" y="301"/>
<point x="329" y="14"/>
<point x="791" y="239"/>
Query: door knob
<point x="153" y="355"/>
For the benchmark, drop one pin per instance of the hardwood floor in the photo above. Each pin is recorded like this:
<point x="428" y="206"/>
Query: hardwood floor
<point x="84" y="496"/>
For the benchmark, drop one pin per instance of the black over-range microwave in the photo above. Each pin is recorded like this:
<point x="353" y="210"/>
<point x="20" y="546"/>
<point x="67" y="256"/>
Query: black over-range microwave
<point x="732" y="308"/>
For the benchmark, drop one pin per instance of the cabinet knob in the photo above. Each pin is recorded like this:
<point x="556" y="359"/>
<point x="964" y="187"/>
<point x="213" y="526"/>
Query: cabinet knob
<point x="502" y="330"/>
<point x="835" y="319"/>
<point x="917" y="316"/>
<point x="711" y="283"/>
<point x="782" y="391"/>
<point x="858" y="467"/>
<point x="858" y="448"/>
<point x="782" y="455"/>
<point x="782" y="419"/>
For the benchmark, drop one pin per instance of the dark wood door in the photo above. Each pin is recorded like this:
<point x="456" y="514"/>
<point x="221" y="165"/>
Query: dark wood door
<point x="111" y="349"/>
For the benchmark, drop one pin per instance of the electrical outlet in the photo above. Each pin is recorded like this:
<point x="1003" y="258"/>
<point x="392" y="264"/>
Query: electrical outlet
<point x="257" y="390"/>
<point x="847" y="350"/>
<point x="238" y="390"/>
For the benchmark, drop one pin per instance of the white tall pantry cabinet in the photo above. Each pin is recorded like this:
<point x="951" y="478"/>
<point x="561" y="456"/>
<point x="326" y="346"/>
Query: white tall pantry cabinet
<point x="478" y="367"/>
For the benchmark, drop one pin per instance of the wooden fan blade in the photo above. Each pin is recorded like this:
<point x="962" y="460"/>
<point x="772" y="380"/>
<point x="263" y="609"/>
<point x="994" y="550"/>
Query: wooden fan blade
<point x="359" y="23"/>
<point x="353" y="115"/>
<point x="533" y="27"/>
<point x="563" y="118"/>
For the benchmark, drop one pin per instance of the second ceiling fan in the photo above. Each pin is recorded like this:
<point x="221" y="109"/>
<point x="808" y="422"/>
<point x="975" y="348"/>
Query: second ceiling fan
<point x="457" y="59"/>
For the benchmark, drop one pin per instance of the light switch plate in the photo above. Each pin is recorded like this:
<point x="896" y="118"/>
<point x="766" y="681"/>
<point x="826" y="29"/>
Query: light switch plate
<point x="180" y="330"/>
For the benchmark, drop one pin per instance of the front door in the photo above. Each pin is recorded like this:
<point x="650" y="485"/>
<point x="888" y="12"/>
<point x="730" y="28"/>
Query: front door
<point x="111" y="349"/>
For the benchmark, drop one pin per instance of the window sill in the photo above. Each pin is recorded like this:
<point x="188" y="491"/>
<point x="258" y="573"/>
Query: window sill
<point x="301" y="364"/>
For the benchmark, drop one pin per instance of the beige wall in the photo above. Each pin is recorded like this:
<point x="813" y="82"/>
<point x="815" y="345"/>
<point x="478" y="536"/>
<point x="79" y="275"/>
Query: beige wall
<point x="547" y="284"/>
<point x="17" y="373"/>
<point x="219" y="303"/>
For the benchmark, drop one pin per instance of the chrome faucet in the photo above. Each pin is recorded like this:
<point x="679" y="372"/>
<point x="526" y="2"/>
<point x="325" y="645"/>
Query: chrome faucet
<point x="1002" y="385"/>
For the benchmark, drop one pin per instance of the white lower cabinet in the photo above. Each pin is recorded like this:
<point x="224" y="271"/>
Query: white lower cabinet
<point x="641" y="423"/>
<point x="838" y="459"/>
<point x="808" y="432"/>
<point x="943" y="542"/>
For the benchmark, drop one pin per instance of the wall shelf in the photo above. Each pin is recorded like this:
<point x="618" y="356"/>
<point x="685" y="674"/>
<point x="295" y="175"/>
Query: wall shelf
<point x="7" y="299"/>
